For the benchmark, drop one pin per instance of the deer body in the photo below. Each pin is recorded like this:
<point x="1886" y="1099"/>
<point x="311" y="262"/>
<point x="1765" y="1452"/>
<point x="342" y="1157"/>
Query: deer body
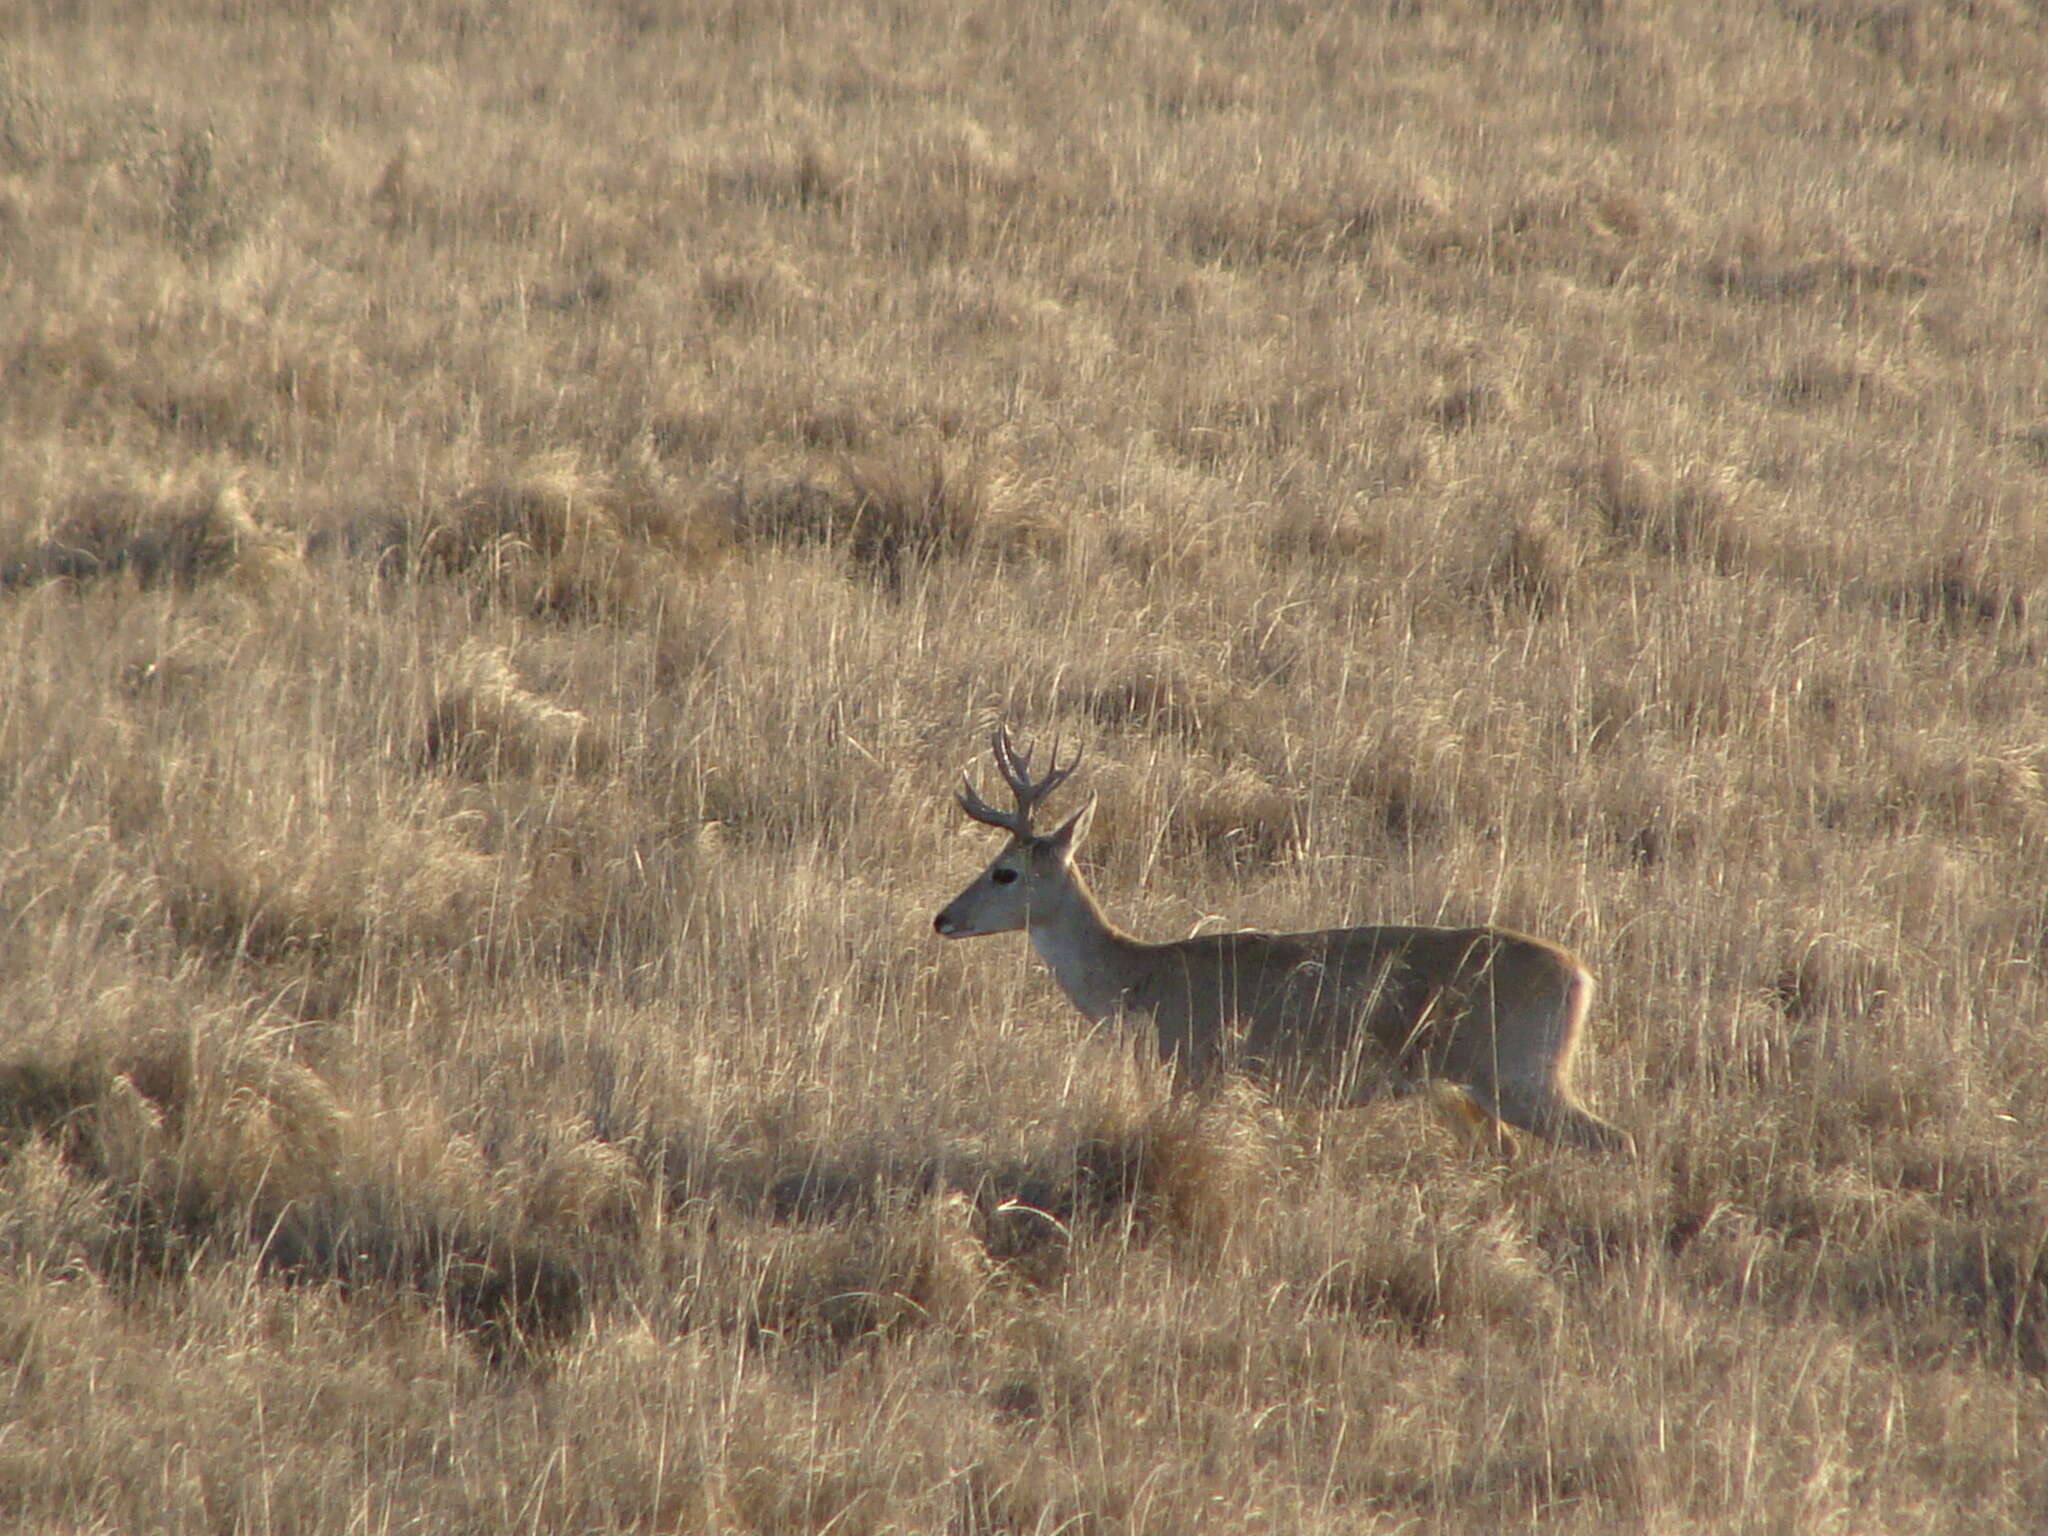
<point x="1334" y="1016"/>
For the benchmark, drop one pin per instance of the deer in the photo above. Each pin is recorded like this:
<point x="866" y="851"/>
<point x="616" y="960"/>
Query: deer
<point x="1334" y="1017"/>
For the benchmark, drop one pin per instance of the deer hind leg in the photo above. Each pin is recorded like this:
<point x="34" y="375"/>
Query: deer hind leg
<point x="1552" y="1113"/>
<point x="1533" y="1095"/>
<point x="1530" y="1084"/>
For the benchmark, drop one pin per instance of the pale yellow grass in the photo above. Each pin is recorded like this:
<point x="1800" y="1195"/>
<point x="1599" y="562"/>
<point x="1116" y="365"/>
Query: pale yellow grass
<point x="516" y="516"/>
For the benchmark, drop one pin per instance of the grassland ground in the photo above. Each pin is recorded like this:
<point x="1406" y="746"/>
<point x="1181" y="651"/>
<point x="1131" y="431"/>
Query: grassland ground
<point x="513" y="518"/>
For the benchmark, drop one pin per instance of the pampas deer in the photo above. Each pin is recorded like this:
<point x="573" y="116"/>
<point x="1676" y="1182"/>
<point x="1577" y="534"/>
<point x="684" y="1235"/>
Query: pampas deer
<point x="1329" y="1016"/>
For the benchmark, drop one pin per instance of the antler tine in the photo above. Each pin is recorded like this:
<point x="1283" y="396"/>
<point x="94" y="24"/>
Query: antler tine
<point x="1055" y="776"/>
<point x="1015" y="823"/>
<point x="1015" y="767"/>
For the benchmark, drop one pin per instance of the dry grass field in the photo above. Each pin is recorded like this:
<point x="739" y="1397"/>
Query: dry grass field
<point x="513" y="518"/>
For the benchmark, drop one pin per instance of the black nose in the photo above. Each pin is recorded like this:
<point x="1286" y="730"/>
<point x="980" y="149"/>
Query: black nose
<point x="939" y="924"/>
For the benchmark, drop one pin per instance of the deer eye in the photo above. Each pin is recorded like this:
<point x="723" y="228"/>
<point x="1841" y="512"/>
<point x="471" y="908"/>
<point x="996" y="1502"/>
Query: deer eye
<point x="1002" y="876"/>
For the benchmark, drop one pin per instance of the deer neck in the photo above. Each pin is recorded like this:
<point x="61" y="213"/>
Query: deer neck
<point x="1088" y="955"/>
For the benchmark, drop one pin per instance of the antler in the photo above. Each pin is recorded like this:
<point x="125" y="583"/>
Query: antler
<point x="1015" y="767"/>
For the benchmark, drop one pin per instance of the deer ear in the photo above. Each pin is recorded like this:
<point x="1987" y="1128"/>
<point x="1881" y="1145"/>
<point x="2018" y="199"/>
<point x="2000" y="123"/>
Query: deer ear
<point x="1066" y="837"/>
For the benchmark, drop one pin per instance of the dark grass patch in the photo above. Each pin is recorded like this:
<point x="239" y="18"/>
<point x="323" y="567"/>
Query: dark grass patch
<point x="508" y="1293"/>
<point x="1686" y="515"/>
<point x="1963" y="591"/>
<point x="553" y="537"/>
<point x="1536" y="567"/>
<point x="204" y="1147"/>
<point x="891" y="514"/>
<point x="176" y="539"/>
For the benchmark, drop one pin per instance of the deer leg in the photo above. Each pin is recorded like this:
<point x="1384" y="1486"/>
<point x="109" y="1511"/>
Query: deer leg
<point x="1550" y="1113"/>
<point x="1477" y="1129"/>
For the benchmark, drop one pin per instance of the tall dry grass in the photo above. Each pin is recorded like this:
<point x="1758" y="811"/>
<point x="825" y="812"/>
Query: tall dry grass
<point x="514" y="517"/>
